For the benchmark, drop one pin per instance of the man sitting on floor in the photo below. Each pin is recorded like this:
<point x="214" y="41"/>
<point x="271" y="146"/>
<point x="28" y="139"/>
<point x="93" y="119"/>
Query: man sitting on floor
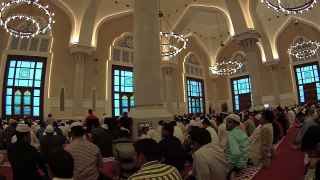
<point x="261" y="148"/>
<point x="61" y="164"/>
<point x="311" y="145"/>
<point x="86" y="155"/>
<point x="146" y="156"/>
<point x="237" y="146"/>
<point x="209" y="160"/>
<point x="24" y="158"/>
<point x="307" y="122"/>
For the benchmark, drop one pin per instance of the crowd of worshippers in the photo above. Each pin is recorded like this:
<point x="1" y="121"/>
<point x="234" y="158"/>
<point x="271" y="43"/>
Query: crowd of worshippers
<point x="218" y="146"/>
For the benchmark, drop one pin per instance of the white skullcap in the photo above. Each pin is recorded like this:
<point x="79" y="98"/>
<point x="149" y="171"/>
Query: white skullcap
<point x="258" y="116"/>
<point x="194" y="123"/>
<point x="234" y="117"/>
<point x="313" y="108"/>
<point x="104" y="126"/>
<point x="22" y="128"/>
<point x="76" y="124"/>
<point x="49" y="129"/>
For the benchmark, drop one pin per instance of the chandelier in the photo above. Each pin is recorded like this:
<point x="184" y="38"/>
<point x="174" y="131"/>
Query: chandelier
<point x="171" y="43"/>
<point x="27" y="12"/>
<point x="303" y="49"/>
<point x="291" y="6"/>
<point x="225" y="68"/>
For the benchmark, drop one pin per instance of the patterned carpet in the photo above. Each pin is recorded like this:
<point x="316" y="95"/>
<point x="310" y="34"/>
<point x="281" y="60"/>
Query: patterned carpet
<point x="251" y="170"/>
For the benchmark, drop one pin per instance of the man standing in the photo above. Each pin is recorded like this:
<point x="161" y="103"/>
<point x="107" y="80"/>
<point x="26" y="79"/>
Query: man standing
<point x="237" y="146"/>
<point x="209" y="160"/>
<point x="86" y="155"/>
<point x="90" y="119"/>
<point x="146" y="155"/>
<point x="125" y="121"/>
<point x="50" y="119"/>
<point x="24" y="158"/>
<point x="9" y="132"/>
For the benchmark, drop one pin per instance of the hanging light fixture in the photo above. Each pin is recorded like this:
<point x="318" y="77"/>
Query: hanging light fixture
<point x="225" y="68"/>
<point x="29" y="12"/>
<point x="303" y="49"/>
<point x="171" y="43"/>
<point x="291" y="6"/>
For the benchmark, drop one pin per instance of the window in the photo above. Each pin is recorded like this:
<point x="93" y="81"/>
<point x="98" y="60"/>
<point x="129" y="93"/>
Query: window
<point x="308" y="85"/>
<point x="24" y="86"/>
<point x="241" y="93"/>
<point x="195" y="88"/>
<point x="122" y="92"/>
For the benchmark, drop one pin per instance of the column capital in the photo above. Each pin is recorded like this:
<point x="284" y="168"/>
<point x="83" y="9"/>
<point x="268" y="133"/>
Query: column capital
<point x="168" y="66"/>
<point x="272" y="65"/>
<point x="80" y="53"/>
<point x="247" y="39"/>
<point x="213" y="76"/>
<point x="78" y="49"/>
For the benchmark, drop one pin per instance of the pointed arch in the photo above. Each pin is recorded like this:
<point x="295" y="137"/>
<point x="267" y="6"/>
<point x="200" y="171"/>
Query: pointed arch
<point x="189" y="12"/>
<point x="285" y="26"/>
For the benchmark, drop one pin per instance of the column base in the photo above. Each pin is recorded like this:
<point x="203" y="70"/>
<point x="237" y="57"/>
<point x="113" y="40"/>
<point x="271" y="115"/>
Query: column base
<point x="152" y="114"/>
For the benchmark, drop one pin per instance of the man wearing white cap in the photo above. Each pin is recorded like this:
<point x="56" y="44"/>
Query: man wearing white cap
<point x="86" y="155"/>
<point x="24" y="158"/>
<point x="49" y="142"/>
<point x="237" y="146"/>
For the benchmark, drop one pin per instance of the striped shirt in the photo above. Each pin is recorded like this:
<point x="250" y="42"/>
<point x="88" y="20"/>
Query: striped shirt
<point x="87" y="159"/>
<point x="156" y="171"/>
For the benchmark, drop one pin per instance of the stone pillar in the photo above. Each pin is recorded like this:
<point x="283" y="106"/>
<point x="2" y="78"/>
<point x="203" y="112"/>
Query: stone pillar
<point x="248" y="41"/>
<point x="167" y="68"/>
<point x="215" y="104"/>
<point x="80" y="53"/>
<point x="273" y="65"/>
<point x="147" y="66"/>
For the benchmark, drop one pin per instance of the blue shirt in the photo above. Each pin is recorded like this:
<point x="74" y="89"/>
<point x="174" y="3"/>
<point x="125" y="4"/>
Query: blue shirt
<point x="237" y="149"/>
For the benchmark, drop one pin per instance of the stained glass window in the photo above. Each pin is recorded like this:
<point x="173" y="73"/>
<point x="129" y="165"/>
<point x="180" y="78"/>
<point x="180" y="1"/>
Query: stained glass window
<point x="195" y="92"/>
<point x="240" y="86"/>
<point x="24" y="86"/>
<point x="307" y="76"/>
<point x="122" y="89"/>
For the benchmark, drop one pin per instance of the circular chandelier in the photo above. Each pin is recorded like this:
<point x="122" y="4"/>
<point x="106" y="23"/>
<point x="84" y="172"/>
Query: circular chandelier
<point x="170" y="50"/>
<point x="304" y="49"/>
<point x="225" y="68"/>
<point x="291" y="6"/>
<point x="35" y="25"/>
<point x="171" y="43"/>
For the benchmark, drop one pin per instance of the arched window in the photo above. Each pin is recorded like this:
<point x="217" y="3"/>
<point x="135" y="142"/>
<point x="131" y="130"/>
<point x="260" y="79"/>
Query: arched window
<point x="240" y="84"/>
<point x="306" y="72"/>
<point x="122" y="74"/>
<point x="195" y="84"/>
<point x="25" y="74"/>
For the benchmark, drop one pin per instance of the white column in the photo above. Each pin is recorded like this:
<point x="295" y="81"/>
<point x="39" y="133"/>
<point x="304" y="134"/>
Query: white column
<point x="168" y="87"/>
<point x="79" y="53"/>
<point x="248" y="42"/>
<point x="215" y="104"/>
<point x="147" y="66"/>
<point x="273" y="65"/>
